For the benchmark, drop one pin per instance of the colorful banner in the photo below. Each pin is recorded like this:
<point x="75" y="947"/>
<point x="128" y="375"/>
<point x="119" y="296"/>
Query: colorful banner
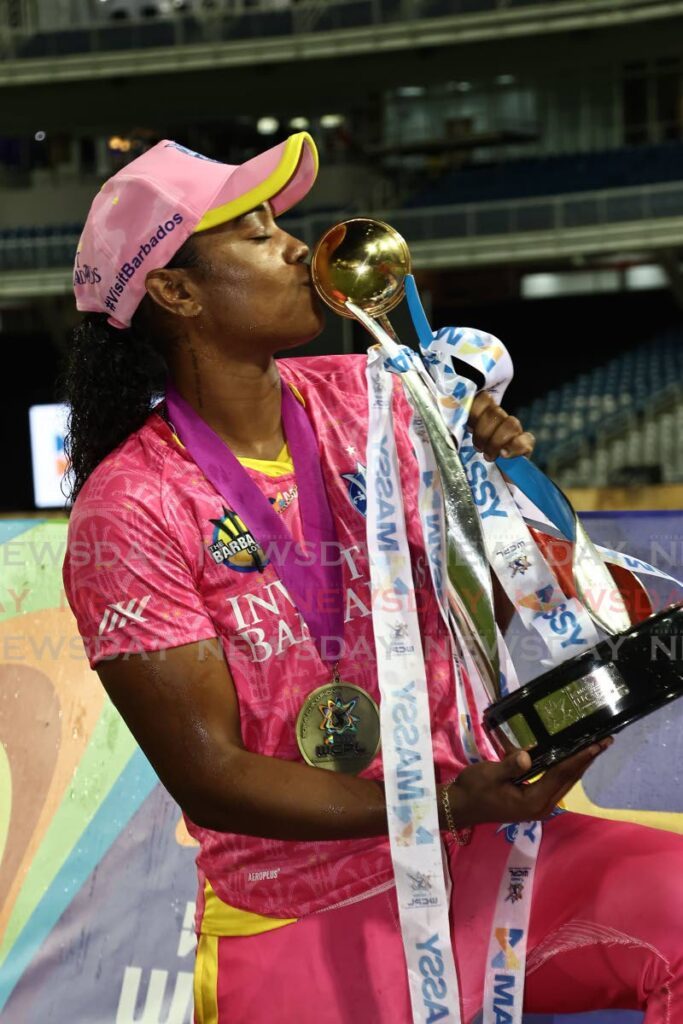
<point x="97" y="880"/>
<point x="96" y="869"/>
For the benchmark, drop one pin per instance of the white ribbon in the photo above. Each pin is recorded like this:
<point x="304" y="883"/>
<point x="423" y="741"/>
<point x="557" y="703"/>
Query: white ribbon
<point x="530" y="584"/>
<point x="506" y="958"/>
<point x="527" y="579"/>
<point x="636" y="565"/>
<point x="495" y="506"/>
<point x="412" y="809"/>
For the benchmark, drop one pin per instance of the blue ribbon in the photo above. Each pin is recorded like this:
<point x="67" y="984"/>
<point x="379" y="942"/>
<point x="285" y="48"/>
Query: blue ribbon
<point x="524" y="474"/>
<point x="542" y="491"/>
<point x="417" y="313"/>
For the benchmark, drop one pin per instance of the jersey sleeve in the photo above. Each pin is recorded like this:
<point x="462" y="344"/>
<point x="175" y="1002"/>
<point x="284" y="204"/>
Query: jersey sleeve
<point x="128" y="581"/>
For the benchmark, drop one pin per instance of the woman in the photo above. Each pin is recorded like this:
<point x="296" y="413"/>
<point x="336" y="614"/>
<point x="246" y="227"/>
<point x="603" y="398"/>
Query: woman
<point x="210" y="660"/>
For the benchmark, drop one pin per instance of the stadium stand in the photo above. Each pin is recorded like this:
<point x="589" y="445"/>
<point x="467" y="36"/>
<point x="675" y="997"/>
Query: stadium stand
<point x="552" y="175"/>
<point x="221" y="24"/>
<point x="608" y="182"/>
<point x="34" y="248"/>
<point x="619" y="424"/>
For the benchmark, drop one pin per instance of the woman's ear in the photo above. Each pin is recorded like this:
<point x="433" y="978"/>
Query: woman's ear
<point x="174" y="291"/>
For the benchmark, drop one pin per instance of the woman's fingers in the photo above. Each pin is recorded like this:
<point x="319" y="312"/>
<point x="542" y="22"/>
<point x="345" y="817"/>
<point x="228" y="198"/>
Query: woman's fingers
<point x="543" y="795"/>
<point x="518" y="444"/>
<point x="513" y="765"/>
<point x="486" y="416"/>
<point x="487" y="791"/>
<point x="494" y="432"/>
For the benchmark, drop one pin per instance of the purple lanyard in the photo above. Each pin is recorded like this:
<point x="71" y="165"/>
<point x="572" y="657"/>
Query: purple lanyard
<point x="316" y="588"/>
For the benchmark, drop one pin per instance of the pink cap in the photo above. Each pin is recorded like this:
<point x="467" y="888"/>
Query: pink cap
<point x="142" y="215"/>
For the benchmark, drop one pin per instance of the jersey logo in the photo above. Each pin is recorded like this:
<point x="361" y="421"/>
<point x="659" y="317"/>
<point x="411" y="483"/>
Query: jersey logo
<point x="234" y="546"/>
<point x="283" y="499"/>
<point x="119" y="614"/>
<point x="356" y="488"/>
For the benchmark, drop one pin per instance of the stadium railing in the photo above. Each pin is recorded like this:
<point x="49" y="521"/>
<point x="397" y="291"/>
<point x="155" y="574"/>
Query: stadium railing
<point x="36" y="247"/>
<point x="237" y="20"/>
<point x="533" y="177"/>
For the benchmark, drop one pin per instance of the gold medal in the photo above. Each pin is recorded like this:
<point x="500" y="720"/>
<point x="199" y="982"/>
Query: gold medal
<point x="338" y="728"/>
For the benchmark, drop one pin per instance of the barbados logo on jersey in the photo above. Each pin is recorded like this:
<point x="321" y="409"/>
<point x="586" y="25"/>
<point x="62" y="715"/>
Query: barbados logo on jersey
<point x="356" y="488"/>
<point x="234" y="546"/>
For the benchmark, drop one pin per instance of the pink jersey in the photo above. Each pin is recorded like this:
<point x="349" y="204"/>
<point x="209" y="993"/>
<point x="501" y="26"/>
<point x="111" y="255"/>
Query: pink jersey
<point x="155" y="559"/>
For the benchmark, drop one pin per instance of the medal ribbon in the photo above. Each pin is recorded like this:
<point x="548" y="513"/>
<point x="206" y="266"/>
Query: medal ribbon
<point x="312" y="577"/>
<point x="412" y="811"/>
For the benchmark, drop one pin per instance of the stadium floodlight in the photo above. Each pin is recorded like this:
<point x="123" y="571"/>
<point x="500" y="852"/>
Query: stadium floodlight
<point x="331" y="120"/>
<point x="300" y="124"/>
<point x="267" y="125"/>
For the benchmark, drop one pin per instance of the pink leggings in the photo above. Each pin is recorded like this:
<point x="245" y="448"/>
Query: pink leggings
<point x="606" y="931"/>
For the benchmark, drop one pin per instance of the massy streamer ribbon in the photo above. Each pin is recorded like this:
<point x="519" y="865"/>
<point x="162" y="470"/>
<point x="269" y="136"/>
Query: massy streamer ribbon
<point x="390" y="573"/>
<point x="522" y="857"/>
<point x="461" y="361"/>
<point x="408" y="757"/>
<point x="474" y="741"/>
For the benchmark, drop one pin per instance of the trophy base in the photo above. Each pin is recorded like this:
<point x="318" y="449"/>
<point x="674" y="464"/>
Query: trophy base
<point x="594" y="694"/>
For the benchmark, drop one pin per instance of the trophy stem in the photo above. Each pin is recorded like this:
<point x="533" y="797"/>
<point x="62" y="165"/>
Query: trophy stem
<point x="385" y="322"/>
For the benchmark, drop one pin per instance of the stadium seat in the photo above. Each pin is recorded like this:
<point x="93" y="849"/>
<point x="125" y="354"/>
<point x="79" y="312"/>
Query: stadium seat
<point x="555" y="175"/>
<point x="622" y="418"/>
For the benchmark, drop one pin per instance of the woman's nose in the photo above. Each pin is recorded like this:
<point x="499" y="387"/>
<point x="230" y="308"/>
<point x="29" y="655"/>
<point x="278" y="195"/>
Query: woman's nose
<point x="299" y="251"/>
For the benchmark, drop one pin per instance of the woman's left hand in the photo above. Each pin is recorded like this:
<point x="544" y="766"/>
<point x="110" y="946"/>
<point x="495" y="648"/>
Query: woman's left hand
<point x="494" y="432"/>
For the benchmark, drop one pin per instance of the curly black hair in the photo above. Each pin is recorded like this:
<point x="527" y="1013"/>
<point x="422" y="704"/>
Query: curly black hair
<point x="111" y="379"/>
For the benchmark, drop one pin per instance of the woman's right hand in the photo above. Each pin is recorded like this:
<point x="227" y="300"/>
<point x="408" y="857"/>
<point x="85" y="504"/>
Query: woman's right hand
<point x="486" y="792"/>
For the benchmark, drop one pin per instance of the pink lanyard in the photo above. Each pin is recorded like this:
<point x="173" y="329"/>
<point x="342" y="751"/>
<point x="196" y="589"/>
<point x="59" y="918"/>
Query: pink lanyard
<point x="313" y="576"/>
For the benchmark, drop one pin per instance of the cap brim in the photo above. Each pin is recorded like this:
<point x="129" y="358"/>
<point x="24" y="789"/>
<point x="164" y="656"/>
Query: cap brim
<point x="282" y="175"/>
